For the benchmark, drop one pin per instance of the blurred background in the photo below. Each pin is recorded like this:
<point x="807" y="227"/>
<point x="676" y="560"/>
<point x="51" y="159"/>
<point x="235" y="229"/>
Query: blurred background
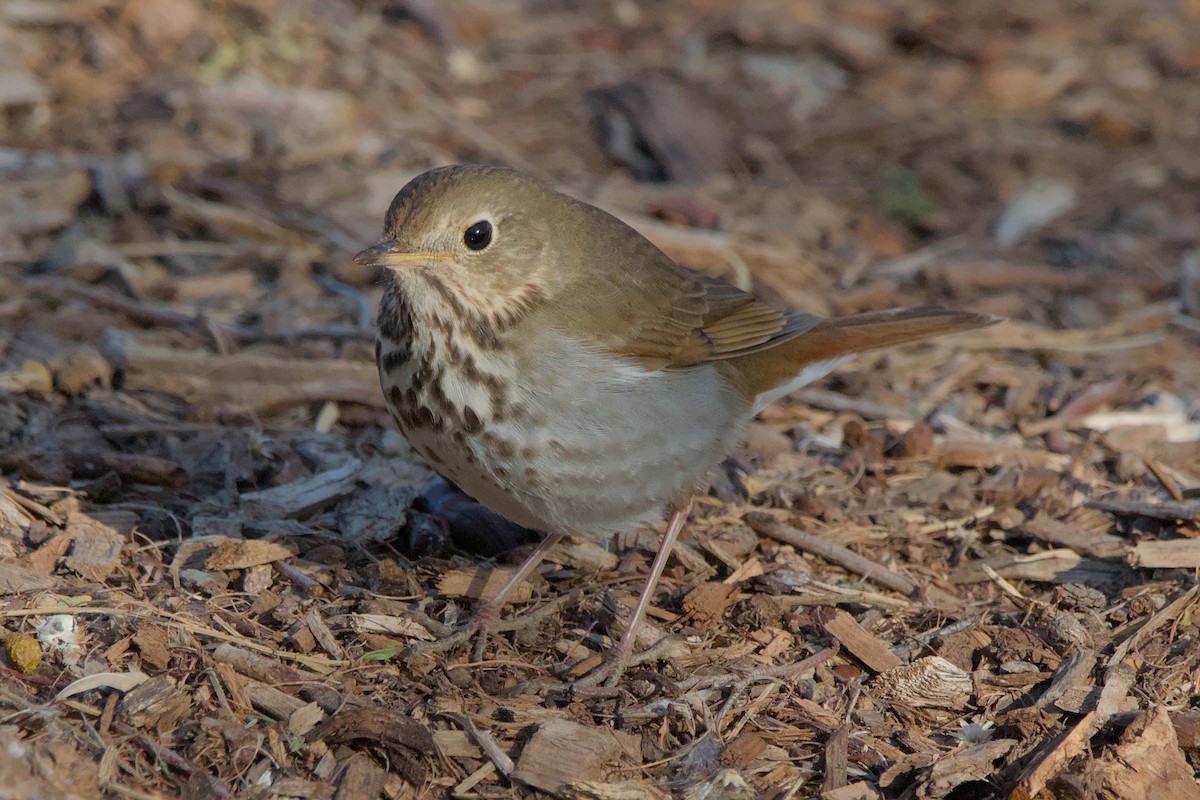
<point x="1030" y="152"/>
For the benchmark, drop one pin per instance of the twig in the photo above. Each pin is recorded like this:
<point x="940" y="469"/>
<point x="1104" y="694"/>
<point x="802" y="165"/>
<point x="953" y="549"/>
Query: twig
<point x="867" y="409"/>
<point x="767" y="525"/>
<point x="1164" y="510"/>
<point x="1089" y="400"/>
<point x="485" y="742"/>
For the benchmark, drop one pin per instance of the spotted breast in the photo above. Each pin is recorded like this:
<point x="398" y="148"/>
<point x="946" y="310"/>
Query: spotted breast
<point x="572" y="441"/>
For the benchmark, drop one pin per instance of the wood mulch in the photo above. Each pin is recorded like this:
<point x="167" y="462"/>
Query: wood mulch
<point x="960" y="569"/>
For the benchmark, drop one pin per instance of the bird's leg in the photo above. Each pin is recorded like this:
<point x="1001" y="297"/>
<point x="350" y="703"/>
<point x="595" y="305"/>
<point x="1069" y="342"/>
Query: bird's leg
<point x="487" y="616"/>
<point x="618" y="657"/>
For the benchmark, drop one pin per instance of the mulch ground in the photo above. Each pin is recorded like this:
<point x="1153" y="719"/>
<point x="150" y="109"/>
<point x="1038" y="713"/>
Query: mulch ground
<point x="960" y="569"/>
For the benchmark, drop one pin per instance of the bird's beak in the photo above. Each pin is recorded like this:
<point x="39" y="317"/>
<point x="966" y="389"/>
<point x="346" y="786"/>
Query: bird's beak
<point x="390" y="253"/>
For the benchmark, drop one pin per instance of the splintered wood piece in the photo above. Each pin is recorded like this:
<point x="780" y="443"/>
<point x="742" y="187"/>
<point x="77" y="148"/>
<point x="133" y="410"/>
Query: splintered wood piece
<point x="456" y="744"/>
<point x="583" y="554"/>
<point x="1188" y="510"/>
<point x="859" y="790"/>
<point x="598" y="790"/>
<point x="391" y="624"/>
<point x="246" y="553"/>
<point x="271" y="701"/>
<point x="157" y="704"/>
<point x="562" y="752"/>
<point x="96" y="552"/>
<point x="927" y="682"/>
<point x="1052" y="566"/>
<point x="1071" y="673"/>
<point x="1173" y="610"/>
<point x="15" y="579"/>
<point x="963" y="766"/>
<point x="1076" y="538"/>
<point x="989" y="455"/>
<point x="1174" y="554"/>
<point x="1149" y="762"/>
<point x="1062" y="749"/>
<point x="478" y="583"/>
<point x="320" y="631"/>
<point x="243" y="380"/>
<point x="300" y="497"/>
<point x="863" y="644"/>
<point x="706" y="603"/>
<point x="836" y="759"/>
<point x="362" y="778"/>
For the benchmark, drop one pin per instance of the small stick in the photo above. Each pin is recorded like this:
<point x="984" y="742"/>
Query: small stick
<point x="1188" y="511"/>
<point x="769" y="526"/>
<point x="485" y="742"/>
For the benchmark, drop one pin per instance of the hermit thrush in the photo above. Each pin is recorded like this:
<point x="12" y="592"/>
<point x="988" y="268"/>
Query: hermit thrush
<point x="565" y="372"/>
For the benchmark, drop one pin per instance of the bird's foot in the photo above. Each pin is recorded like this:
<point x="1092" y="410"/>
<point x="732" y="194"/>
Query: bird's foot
<point x="485" y="621"/>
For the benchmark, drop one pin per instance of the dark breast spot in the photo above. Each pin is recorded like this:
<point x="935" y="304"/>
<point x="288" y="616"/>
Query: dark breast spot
<point x="503" y="448"/>
<point x="392" y="360"/>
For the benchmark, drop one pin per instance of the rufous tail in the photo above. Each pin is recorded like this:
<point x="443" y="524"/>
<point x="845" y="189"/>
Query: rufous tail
<point x="834" y="339"/>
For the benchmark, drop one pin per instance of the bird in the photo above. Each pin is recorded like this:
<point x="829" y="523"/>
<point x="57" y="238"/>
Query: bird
<point x="559" y="368"/>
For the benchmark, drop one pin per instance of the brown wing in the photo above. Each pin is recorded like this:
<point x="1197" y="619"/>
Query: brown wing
<point x="702" y="319"/>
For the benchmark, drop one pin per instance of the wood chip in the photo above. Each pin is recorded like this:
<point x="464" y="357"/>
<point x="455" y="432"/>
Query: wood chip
<point x="562" y="752"/>
<point x="706" y="603"/>
<point x="362" y="778"/>
<point x="271" y="701"/>
<point x="973" y="764"/>
<point x="96" y="551"/>
<point x="1168" y="510"/>
<point x="865" y="646"/>
<point x="303" y="496"/>
<point x="1174" y="554"/>
<point x="927" y="682"/>
<point x="482" y="584"/>
<point x="1051" y="566"/>
<point x="1076" y="538"/>
<point x="598" y="790"/>
<point x="1148" y="762"/>
<point x="15" y="579"/>
<point x="246" y="553"/>
<point x="1054" y="757"/>
<point x="392" y="625"/>
<point x="245" y="380"/>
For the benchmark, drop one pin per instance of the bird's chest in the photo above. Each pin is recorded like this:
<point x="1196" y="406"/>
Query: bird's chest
<point x="556" y="436"/>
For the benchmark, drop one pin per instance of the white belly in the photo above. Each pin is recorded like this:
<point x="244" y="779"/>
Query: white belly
<point x="594" y="445"/>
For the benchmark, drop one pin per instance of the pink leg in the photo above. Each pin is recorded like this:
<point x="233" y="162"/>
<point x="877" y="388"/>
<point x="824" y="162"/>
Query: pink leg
<point x="488" y="614"/>
<point x="619" y="656"/>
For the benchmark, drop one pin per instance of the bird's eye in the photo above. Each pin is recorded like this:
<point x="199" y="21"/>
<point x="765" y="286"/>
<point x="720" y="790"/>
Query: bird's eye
<point x="479" y="235"/>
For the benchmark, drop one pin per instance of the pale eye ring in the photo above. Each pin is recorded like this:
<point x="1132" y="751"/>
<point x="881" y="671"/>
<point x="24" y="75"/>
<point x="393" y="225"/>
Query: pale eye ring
<point x="479" y="235"/>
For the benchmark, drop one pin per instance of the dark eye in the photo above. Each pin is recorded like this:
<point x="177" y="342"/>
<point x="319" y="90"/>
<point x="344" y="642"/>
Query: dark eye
<point x="479" y="235"/>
